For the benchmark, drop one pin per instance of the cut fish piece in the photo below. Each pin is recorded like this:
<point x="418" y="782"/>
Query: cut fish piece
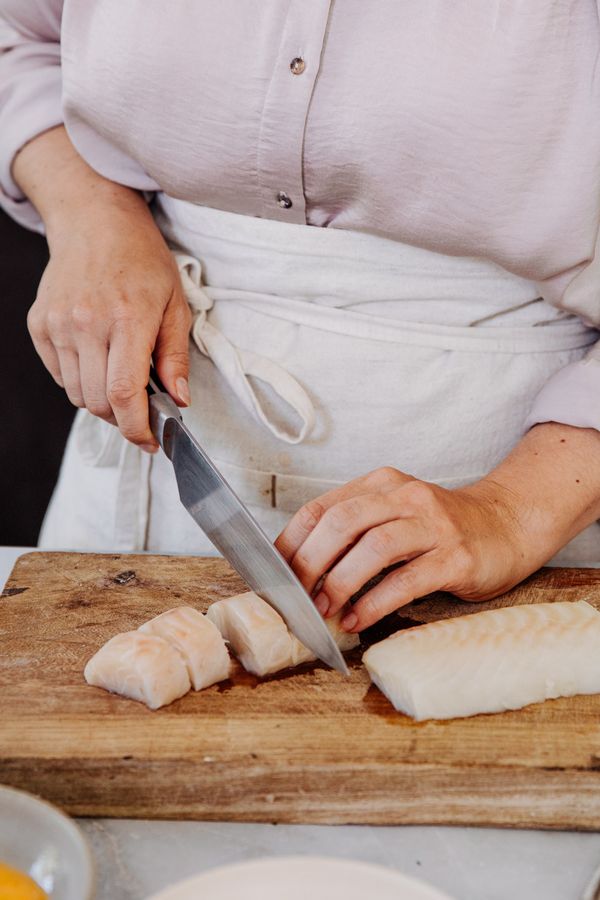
<point x="198" y="640"/>
<point x="140" y="666"/>
<point x="257" y="634"/>
<point x="260" y="638"/>
<point x="490" y="661"/>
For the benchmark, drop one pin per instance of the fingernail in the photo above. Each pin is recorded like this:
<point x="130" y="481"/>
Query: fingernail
<point x="322" y="603"/>
<point x="149" y="448"/>
<point x="349" y="621"/>
<point x="183" y="390"/>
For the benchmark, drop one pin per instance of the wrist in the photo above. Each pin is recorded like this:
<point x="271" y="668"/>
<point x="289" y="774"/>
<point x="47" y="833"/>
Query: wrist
<point x="77" y="209"/>
<point x="96" y="215"/>
<point x="69" y="195"/>
<point x="548" y="488"/>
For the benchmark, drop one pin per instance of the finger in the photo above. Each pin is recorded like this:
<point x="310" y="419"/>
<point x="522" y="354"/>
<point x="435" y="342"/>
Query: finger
<point x="68" y="361"/>
<point x="171" y="353"/>
<point x="306" y="519"/>
<point x="93" y="364"/>
<point x="45" y="350"/>
<point x="44" y="346"/>
<point x="379" y="548"/>
<point x="417" y="578"/>
<point x="127" y="374"/>
<point x="338" y="528"/>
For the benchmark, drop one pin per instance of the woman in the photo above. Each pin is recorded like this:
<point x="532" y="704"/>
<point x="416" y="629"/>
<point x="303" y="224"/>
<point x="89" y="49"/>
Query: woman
<point x="435" y="328"/>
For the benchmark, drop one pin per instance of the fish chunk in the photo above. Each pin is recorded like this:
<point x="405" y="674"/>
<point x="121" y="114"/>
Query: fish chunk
<point x="344" y="639"/>
<point x="259" y="636"/>
<point x="140" y="666"/>
<point x="198" y="640"/>
<point x="490" y="661"/>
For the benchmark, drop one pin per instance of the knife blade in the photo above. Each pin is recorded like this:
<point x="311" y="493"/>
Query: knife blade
<point x="230" y="526"/>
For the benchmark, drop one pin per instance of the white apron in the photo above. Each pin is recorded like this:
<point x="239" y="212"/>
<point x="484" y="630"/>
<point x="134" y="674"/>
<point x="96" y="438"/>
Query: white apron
<point x="309" y="367"/>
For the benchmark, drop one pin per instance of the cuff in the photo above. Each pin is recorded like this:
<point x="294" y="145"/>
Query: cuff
<point x="37" y="109"/>
<point x="571" y="397"/>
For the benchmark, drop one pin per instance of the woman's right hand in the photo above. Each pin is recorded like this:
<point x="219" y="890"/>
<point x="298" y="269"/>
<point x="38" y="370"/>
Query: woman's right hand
<point x="110" y="297"/>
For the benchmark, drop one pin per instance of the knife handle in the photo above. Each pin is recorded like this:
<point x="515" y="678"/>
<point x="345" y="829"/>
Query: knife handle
<point x="155" y="385"/>
<point x="162" y="407"/>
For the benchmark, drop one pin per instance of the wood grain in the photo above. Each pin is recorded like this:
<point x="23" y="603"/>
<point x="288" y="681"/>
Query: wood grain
<point x="304" y="746"/>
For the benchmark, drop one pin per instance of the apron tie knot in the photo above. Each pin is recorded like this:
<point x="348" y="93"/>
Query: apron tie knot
<point x="236" y="364"/>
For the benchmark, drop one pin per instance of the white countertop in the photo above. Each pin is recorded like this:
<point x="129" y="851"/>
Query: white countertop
<point x="137" y="857"/>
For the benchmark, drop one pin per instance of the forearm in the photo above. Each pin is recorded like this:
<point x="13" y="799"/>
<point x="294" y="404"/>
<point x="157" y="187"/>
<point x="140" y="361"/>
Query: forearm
<point x="63" y="188"/>
<point x="552" y="481"/>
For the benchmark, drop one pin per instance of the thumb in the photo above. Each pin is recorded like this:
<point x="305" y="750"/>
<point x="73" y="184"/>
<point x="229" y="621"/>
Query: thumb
<point x="171" y="350"/>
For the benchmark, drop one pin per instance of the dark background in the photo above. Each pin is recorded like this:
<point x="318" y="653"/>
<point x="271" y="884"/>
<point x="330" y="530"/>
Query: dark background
<point x="35" y="412"/>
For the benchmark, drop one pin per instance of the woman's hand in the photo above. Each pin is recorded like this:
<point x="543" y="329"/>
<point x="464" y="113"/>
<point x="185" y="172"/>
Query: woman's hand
<point x="111" y="294"/>
<point x="464" y="541"/>
<point x="476" y="542"/>
<point x="109" y="298"/>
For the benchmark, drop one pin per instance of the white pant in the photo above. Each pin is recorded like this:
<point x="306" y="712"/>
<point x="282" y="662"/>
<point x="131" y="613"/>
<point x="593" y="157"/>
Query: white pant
<point x="309" y="368"/>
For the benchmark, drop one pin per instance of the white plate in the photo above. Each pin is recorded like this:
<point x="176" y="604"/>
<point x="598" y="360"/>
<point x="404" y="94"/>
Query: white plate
<point x="301" y="878"/>
<point x="47" y="845"/>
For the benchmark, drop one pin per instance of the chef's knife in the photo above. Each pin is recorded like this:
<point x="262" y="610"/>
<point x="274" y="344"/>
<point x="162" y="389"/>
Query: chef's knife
<point x="233" y="530"/>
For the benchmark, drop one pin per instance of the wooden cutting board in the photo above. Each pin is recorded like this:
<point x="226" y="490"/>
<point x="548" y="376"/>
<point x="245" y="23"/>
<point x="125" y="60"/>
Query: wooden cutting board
<point x="304" y="746"/>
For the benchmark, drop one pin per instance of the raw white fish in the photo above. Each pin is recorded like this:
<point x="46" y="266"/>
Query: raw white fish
<point x="344" y="639"/>
<point x="257" y="634"/>
<point x="260" y="638"/>
<point x="140" y="666"/>
<point x="198" y="640"/>
<point x="490" y="661"/>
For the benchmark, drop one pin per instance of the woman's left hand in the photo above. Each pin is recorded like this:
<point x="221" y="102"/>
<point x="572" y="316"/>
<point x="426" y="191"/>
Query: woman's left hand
<point x="474" y="542"/>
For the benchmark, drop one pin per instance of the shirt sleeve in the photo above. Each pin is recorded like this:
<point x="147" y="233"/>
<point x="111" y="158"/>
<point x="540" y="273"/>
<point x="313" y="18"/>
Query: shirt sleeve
<point x="30" y="90"/>
<point x="571" y="396"/>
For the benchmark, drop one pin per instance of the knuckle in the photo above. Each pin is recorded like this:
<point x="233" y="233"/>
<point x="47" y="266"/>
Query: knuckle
<point x="419" y="493"/>
<point x="380" y="542"/>
<point x="343" y="515"/>
<point x="83" y="316"/>
<point x="76" y="399"/>
<point x="122" y="391"/>
<point x="402" y="581"/>
<point x="181" y="308"/>
<point x="121" y="311"/>
<point x="310" y="515"/>
<point x="99" y="408"/>
<point x="134" y="434"/>
<point x="178" y="358"/>
<point x="386" y="476"/>
<point x="35" y="322"/>
<point x="369" y="608"/>
<point x="56" y="321"/>
<point x="335" y="585"/>
<point x="301" y="562"/>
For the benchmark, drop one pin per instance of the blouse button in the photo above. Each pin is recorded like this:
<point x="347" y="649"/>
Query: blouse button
<point x="284" y="200"/>
<point x="297" y="66"/>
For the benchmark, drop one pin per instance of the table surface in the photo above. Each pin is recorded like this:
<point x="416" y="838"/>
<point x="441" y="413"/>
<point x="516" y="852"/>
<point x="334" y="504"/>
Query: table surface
<point x="135" y="858"/>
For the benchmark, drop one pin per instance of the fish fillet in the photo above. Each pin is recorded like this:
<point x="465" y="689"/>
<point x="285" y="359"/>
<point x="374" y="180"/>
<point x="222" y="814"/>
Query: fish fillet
<point x="198" y="640"/>
<point x="490" y="661"/>
<point x="140" y="666"/>
<point x="260" y="638"/>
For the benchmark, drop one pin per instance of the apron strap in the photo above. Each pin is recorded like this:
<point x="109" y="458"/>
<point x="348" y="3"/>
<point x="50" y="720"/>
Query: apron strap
<point x="236" y="364"/>
<point x="102" y="446"/>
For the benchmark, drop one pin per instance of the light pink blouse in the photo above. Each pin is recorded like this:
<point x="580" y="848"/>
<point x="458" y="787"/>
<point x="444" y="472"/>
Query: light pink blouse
<point x="468" y="128"/>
